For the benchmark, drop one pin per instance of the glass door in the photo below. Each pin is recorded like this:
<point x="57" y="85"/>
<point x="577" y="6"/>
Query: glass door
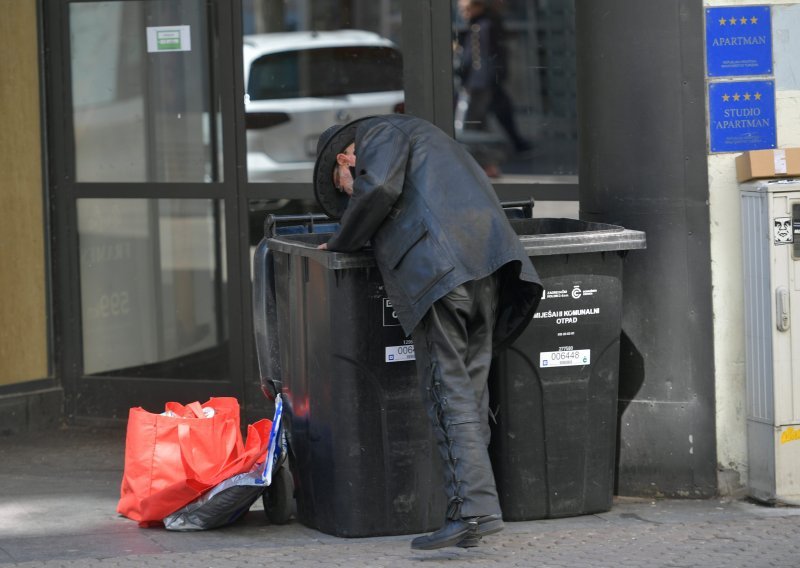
<point x="305" y="65"/>
<point x="146" y="205"/>
<point x="175" y="127"/>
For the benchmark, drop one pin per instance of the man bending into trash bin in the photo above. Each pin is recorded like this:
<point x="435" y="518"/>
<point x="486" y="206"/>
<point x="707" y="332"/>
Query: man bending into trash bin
<point x="456" y="273"/>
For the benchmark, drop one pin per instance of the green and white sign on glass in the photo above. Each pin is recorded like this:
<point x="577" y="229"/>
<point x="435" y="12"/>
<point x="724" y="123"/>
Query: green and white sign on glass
<point x="168" y="38"/>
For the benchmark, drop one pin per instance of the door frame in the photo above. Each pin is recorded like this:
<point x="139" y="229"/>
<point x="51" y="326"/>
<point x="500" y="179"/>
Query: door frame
<point x="98" y="396"/>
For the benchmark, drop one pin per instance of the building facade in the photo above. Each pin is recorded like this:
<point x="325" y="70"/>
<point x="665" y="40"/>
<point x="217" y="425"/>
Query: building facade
<point x="139" y="162"/>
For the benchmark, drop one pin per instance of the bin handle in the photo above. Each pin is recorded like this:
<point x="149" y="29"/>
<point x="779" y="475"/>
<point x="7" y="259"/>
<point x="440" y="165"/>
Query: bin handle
<point x="526" y="205"/>
<point x="265" y="322"/>
<point x="271" y="222"/>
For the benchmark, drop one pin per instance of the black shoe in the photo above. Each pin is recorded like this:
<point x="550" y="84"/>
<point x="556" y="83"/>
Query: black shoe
<point x="487" y="524"/>
<point x="470" y="541"/>
<point x="450" y="534"/>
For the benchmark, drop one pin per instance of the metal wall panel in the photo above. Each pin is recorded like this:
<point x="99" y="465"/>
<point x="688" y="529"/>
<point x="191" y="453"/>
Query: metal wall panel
<point x="641" y="108"/>
<point x="758" y="323"/>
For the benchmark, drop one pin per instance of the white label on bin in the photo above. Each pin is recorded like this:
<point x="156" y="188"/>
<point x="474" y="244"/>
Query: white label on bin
<point x="398" y="353"/>
<point x="565" y="358"/>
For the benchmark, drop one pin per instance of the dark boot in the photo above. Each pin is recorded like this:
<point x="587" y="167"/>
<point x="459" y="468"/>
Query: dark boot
<point x="488" y="524"/>
<point x="453" y="532"/>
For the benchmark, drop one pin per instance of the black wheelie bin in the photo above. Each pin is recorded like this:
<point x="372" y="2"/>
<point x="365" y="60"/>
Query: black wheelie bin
<point x="361" y="448"/>
<point x="553" y="392"/>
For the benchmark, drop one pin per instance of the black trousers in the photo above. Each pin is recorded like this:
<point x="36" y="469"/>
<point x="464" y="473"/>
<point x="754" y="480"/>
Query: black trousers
<point x="453" y="346"/>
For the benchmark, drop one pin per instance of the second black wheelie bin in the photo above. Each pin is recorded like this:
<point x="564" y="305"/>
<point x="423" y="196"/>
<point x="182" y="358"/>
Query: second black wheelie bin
<point x="553" y="392"/>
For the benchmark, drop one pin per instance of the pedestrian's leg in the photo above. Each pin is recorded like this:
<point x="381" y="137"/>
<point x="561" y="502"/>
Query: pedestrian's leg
<point x="503" y="109"/>
<point x="477" y="109"/>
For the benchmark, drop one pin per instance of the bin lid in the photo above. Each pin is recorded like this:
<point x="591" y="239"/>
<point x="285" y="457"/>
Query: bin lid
<point x="539" y="237"/>
<point x="550" y="236"/>
<point x="306" y="245"/>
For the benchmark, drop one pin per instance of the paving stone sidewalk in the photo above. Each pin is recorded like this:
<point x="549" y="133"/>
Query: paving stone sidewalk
<point x="58" y="493"/>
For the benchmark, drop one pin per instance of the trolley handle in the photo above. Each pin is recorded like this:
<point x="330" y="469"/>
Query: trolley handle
<point x="307" y="219"/>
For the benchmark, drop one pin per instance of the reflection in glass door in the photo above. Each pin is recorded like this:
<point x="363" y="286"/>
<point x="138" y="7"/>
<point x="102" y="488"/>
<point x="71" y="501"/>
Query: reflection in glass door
<point x="142" y="106"/>
<point x="153" y="284"/>
<point x="308" y="65"/>
<point x="150" y="205"/>
<point x="515" y="86"/>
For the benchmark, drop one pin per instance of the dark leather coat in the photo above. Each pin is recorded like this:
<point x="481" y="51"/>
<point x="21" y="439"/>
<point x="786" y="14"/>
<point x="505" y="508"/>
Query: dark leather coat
<point x="434" y="222"/>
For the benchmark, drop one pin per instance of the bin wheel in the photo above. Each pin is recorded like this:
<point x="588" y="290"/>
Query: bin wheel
<point x="278" y="496"/>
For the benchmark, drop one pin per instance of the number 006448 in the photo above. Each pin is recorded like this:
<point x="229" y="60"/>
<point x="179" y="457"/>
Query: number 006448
<point x="565" y="358"/>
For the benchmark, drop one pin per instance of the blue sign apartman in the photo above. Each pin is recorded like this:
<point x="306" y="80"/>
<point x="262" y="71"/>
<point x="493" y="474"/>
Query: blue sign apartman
<point x="738" y="41"/>
<point x="741" y="115"/>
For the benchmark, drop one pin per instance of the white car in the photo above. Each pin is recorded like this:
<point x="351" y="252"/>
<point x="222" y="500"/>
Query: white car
<point x="299" y="83"/>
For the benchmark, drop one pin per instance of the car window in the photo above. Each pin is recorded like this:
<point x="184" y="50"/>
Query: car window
<point x="325" y="72"/>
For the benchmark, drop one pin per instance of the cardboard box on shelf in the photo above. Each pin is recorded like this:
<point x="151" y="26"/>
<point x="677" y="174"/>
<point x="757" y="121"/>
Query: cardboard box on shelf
<point x="782" y="162"/>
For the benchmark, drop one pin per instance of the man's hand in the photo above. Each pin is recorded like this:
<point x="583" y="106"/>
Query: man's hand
<point x="323" y="246"/>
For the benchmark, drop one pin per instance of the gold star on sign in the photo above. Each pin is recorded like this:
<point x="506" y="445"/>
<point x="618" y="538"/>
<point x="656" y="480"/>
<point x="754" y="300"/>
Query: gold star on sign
<point x="732" y="21"/>
<point x="736" y="96"/>
<point x="726" y="98"/>
<point x="747" y="96"/>
<point x="722" y="21"/>
<point x="753" y="20"/>
<point x="743" y="21"/>
<point x="757" y="96"/>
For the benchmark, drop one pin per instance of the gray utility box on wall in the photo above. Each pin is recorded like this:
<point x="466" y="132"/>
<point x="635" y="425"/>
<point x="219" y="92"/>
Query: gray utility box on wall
<point x="771" y="262"/>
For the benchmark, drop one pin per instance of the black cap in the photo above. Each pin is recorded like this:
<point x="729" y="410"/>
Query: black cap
<point x="332" y="142"/>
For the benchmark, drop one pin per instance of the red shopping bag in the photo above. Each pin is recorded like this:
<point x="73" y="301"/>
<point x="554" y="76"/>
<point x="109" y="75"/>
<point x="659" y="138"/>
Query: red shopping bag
<point x="173" y="458"/>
